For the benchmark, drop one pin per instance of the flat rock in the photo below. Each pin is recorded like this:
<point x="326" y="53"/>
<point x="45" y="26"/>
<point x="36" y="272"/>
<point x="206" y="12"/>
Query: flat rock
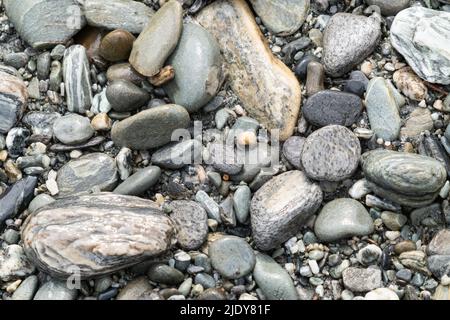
<point x="13" y="100"/>
<point x="139" y="182"/>
<point x="440" y="244"/>
<point x="362" y="280"/>
<point x="158" y="39"/>
<point x="347" y="40"/>
<point x="341" y="219"/>
<point x="89" y="172"/>
<point x="190" y="220"/>
<point x="331" y="153"/>
<point x="421" y="36"/>
<point x="128" y="15"/>
<point x="45" y="23"/>
<point x="17" y="197"/>
<point x="389" y="7"/>
<point x="198" y="68"/>
<point x="282" y="17"/>
<point x="14" y="263"/>
<point x="73" y="129"/>
<point x="150" y="128"/>
<point x="267" y="88"/>
<point x="77" y="79"/>
<point x="96" y="234"/>
<point x="179" y="154"/>
<point x="281" y="206"/>
<point x="274" y="281"/>
<point x="332" y="107"/>
<point x="125" y="96"/>
<point x="55" y="290"/>
<point x="232" y="257"/>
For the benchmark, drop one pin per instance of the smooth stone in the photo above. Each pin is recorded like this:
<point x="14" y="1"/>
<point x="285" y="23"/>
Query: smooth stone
<point x="125" y="96"/>
<point x="117" y="45"/>
<point x="117" y="14"/>
<point x="158" y="39"/>
<point x="292" y="150"/>
<point x="16" y="141"/>
<point x="73" y="129"/>
<point x="383" y="109"/>
<point x="356" y="84"/>
<point x="100" y="103"/>
<point x="178" y="155"/>
<point x="205" y="280"/>
<point x="341" y="219"/>
<point x="150" y="128"/>
<point x="241" y="203"/>
<point x="282" y="17"/>
<point x="212" y="294"/>
<point x="77" y="79"/>
<point x="369" y="255"/>
<point x="16" y="197"/>
<point x="55" y="290"/>
<point x="301" y="69"/>
<point x="123" y="71"/>
<point x="190" y="220"/>
<point x="315" y="78"/>
<point x="89" y="172"/>
<point x="274" y="281"/>
<point x="417" y="122"/>
<point x="165" y="274"/>
<point x="407" y="179"/>
<point x="439" y="265"/>
<point x="16" y="59"/>
<point x="347" y="40"/>
<point x="268" y="90"/>
<point x="404" y="246"/>
<point x="440" y="244"/>
<point x="362" y="280"/>
<point x="136" y="289"/>
<point x="44" y="61"/>
<point x="95" y="141"/>
<point x="44" y="23"/>
<point x="389" y="7"/>
<point x="232" y="257"/>
<point x="410" y="84"/>
<point x="221" y="118"/>
<point x="211" y="206"/>
<point x="198" y="68"/>
<point x="429" y="145"/>
<point x="256" y="159"/>
<point x="332" y="107"/>
<point x="14" y="263"/>
<point x="13" y="100"/>
<point x="281" y="206"/>
<point x="421" y="36"/>
<point x="442" y="293"/>
<point x="393" y="221"/>
<point x="139" y="182"/>
<point x="40" y="201"/>
<point x="331" y="153"/>
<point x="117" y="231"/>
<point x="26" y="289"/>
<point x="381" y="293"/>
<point x="223" y="157"/>
<point x="359" y="189"/>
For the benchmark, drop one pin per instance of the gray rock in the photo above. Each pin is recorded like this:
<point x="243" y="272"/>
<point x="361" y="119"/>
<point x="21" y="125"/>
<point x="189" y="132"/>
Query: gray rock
<point x="89" y="172"/>
<point x="343" y="218"/>
<point x="440" y="244"/>
<point x="383" y="109"/>
<point x="73" y="129"/>
<point x="178" y="155"/>
<point x="125" y="96"/>
<point x="162" y="273"/>
<point x="45" y="23"/>
<point x="26" y="289"/>
<point x="281" y="206"/>
<point x="439" y="265"/>
<point x="158" y="39"/>
<point x="11" y="236"/>
<point x="370" y="254"/>
<point x="223" y="157"/>
<point x="95" y="141"/>
<point x="17" y="60"/>
<point x="77" y="79"/>
<point x="13" y="100"/>
<point x="362" y="280"/>
<point x="41" y="123"/>
<point x="139" y="182"/>
<point x="393" y="221"/>
<point x="56" y="76"/>
<point x="16" y="198"/>
<point x="292" y="150"/>
<point x="198" y="68"/>
<point x="57" y="52"/>
<point x="100" y="103"/>
<point x="417" y="122"/>
<point x="331" y="153"/>
<point x="332" y="107"/>
<point x="39" y="201"/>
<point x="205" y="280"/>
<point x="389" y="7"/>
<point x="241" y="203"/>
<point x="124" y="71"/>
<point x="282" y="17"/>
<point x="421" y="36"/>
<point x="254" y="159"/>
<point x="347" y="40"/>
<point x="190" y="220"/>
<point x="33" y="89"/>
<point x="273" y="280"/>
<point x="221" y="118"/>
<point x="128" y="15"/>
<point x="211" y="207"/>
<point x="150" y="128"/>
<point x="117" y="231"/>
<point x="55" y="290"/>
<point x="232" y="257"/>
<point x="14" y="263"/>
<point x="16" y="140"/>
<point x="43" y="65"/>
<point x="136" y="289"/>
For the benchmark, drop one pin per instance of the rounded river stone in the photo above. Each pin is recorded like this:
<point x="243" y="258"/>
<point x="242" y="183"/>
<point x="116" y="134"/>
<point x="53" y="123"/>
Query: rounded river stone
<point x="139" y="182"/>
<point x="125" y="96"/>
<point x="73" y="129"/>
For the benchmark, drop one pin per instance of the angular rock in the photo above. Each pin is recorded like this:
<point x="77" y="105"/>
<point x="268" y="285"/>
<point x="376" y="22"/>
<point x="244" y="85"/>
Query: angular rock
<point x="421" y="36"/>
<point x="139" y="182"/>
<point x="95" y="234"/>
<point x="125" y="96"/>
<point x="179" y="154"/>
<point x="268" y="90"/>
<point x="73" y="129"/>
<point x="198" y="68"/>
<point x="281" y="206"/>
<point x="347" y="40"/>
<point x="16" y="198"/>
<point x="13" y="100"/>
<point x="389" y="7"/>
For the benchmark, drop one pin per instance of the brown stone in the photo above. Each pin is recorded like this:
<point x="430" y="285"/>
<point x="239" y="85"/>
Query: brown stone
<point x="165" y="75"/>
<point x="91" y="38"/>
<point x="123" y="71"/>
<point x="117" y="45"/>
<point x="410" y="84"/>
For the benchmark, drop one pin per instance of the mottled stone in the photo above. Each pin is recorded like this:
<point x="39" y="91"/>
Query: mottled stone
<point x="73" y="129"/>
<point x="268" y="90"/>
<point x="331" y="153"/>
<point x="421" y="36"/>
<point x="162" y="273"/>
<point x="362" y="280"/>
<point x="13" y="100"/>
<point x="16" y="198"/>
<point x="14" y="264"/>
<point x="125" y="96"/>
<point x="136" y="289"/>
<point x="123" y="71"/>
<point x="281" y="206"/>
<point x="139" y="182"/>
<point x="410" y="84"/>
<point x="178" y="155"/>
<point x="41" y="123"/>
<point x="440" y="244"/>
<point x="97" y="234"/>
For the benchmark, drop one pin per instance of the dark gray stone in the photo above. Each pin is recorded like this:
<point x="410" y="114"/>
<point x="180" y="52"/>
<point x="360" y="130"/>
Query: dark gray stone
<point x="13" y="100"/>
<point x="16" y="198"/>
<point x="162" y="273"/>
<point x="125" y="96"/>
<point x="176" y="156"/>
<point x="139" y="182"/>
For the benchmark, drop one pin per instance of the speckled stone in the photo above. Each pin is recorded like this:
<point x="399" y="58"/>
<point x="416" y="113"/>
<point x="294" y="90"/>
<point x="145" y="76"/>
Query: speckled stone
<point x="362" y="280"/>
<point x="292" y="150"/>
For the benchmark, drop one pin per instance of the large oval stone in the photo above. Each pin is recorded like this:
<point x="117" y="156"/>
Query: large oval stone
<point x="94" y="235"/>
<point x="150" y="128"/>
<point x="281" y="206"/>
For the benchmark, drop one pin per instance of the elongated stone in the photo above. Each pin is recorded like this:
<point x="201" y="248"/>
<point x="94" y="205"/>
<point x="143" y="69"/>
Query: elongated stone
<point x="268" y="90"/>
<point x="17" y="197"/>
<point x="176" y="156"/>
<point x="77" y="80"/>
<point x="139" y="182"/>
<point x="95" y="234"/>
<point x="45" y="23"/>
<point x="13" y="100"/>
<point x="389" y="7"/>
<point x="125" y="96"/>
<point x="430" y="146"/>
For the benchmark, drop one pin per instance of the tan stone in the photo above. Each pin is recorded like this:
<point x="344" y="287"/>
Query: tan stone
<point x="410" y="84"/>
<point x="101" y="122"/>
<point x="418" y="121"/>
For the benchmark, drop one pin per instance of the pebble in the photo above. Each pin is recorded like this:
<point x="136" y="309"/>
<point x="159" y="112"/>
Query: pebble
<point x="442" y="293"/>
<point x="301" y="69"/>
<point x="26" y="289"/>
<point x="72" y="129"/>
<point x="370" y="254"/>
<point x="40" y="201"/>
<point x="123" y="71"/>
<point x="55" y="290"/>
<point x="17" y="197"/>
<point x="292" y="150"/>
<point x="137" y="289"/>
<point x="331" y="153"/>
<point x="205" y="280"/>
<point x="162" y="273"/>
<point x="281" y="206"/>
<point x="393" y="221"/>
<point x="17" y="60"/>
<point x="178" y="155"/>
<point x="342" y="218"/>
<point x="361" y="280"/>
<point x="410" y="84"/>
<point x="14" y="264"/>
<point x="125" y="96"/>
<point x="211" y="207"/>
<point x="404" y="246"/>
<point x="101" y="122"/>
<point x="139" y="182"/>
<point x="223" y="157"/>
<point x="13" y="100"/>
<point x="417" y="122"/>
<point x="241" y="203"/>
<point x="359" y="189"/>
<point x="381" y="294"/>
<point x="117" y="45"/>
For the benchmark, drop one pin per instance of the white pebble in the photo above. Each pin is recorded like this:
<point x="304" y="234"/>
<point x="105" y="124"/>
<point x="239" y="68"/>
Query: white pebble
<point x="314" y="266"/>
